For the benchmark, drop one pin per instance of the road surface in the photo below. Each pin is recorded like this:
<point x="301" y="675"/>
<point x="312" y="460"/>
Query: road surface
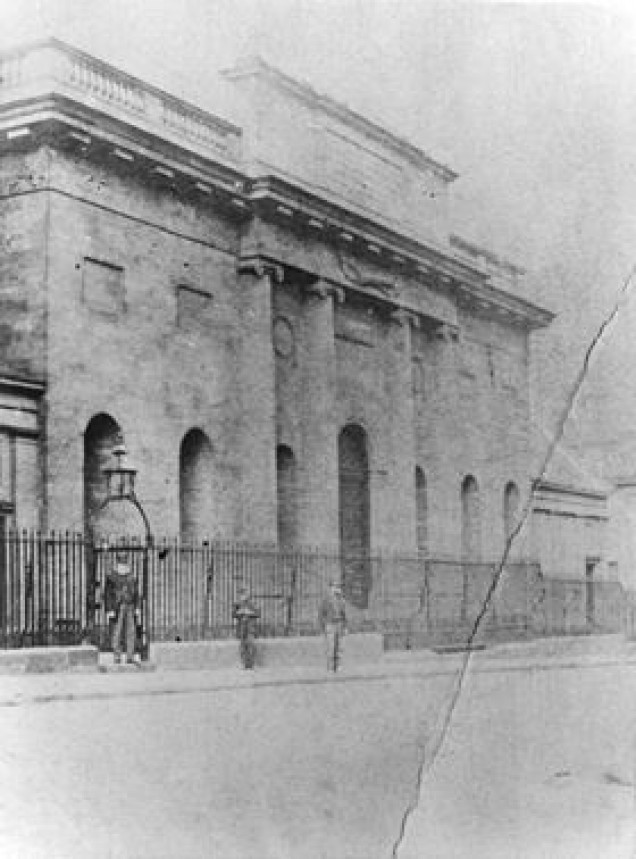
<point x="536" y="764"/>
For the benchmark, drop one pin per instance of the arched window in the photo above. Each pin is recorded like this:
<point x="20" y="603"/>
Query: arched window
<point x="100" y="437"/>
<point x="196" y="500"/>
<point x="471" y="521"/>
<point x="286" y="495"/>
<point x="354" y="513"/>
<point x="421" y="508"/>
<point x="510" y="508"/>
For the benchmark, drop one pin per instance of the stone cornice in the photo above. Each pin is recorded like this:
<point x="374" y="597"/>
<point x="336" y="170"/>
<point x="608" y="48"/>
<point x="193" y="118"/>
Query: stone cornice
<point x="53" y="119"/>
<point x="336" y="267"/>
<point x="257" y="67"/>
<point x="486" y="299"/>
<point x="285" y="202"/>
<point x="52" y="67"/>
<point x="321" y="213"/>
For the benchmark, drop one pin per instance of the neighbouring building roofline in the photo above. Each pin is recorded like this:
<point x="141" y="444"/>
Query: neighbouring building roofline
<point x="568" y="489"/>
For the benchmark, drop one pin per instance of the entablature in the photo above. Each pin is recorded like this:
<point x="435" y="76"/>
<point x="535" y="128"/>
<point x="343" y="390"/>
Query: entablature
<point x="51" y="92"/>
<point x="268" y="245"/>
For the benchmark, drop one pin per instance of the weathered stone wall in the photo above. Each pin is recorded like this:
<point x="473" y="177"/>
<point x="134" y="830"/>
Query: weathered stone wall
<point x="471" y="416"/>
<point x="374" y="391"/>
<point x="149" y="322"/>
<point x="23" y="215"/>
<point x="562" y="543"/>
<point x="120" y="252"/>
<point x="570" y="528"/>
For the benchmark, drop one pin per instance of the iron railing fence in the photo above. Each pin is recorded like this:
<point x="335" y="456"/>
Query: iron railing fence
<point x="52" y="589"/>
<point x="43" y="589"/>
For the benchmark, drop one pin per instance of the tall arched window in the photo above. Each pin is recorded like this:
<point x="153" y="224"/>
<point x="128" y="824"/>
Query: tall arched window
<point x="196" y="499"/>
<point x="510" y="508"/>
<point x="100" y="437"/>
<point x="471" y="521"/>
<point x="354" y="513"/>
<point x="286" y="494"/>
<point x="421" y="508"/>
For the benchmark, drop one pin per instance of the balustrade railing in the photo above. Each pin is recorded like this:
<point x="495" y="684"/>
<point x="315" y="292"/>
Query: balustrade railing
<point x="53" y="66"/>
<point x="105" y="83"/>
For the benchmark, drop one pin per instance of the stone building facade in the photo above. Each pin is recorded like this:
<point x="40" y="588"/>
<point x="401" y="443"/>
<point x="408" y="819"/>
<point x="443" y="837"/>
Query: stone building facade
<point x="271" y="308"/>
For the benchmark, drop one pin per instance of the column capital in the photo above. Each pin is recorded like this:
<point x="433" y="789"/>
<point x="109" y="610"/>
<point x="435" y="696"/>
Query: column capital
<point x="402" y="316"/>
<point x="321" y="289"/>
<point x="260" y="267"/>
<point x="447" y="333"/>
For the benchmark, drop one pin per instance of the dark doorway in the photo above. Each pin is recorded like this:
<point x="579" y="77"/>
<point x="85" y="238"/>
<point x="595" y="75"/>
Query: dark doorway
<point x="286" y="495"/>
<point x="354" y="514"/>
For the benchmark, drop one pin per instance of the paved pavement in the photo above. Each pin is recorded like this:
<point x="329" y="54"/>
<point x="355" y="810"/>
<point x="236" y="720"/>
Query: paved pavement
<point x="557" y="653"/>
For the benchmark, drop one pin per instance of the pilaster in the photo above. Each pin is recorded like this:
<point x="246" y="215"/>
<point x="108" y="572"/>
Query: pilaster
<point x="318" y="514"/>
<point x="444" y="517"/>
<point x="394" y="525"/>
<point x="257" y="430"/>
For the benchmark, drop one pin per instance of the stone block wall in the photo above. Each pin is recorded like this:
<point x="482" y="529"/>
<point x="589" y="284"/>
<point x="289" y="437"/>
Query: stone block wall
<point x="149" y="323"/>
<point x="23" y="226"/>
<point x="564" y="541"/>
<point x="472" y="418"/>
<point x="148" y="320"/>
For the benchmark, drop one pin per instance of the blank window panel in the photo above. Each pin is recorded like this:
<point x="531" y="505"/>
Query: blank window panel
<point x="194" y="307"/>
<point x="103" y="288"/>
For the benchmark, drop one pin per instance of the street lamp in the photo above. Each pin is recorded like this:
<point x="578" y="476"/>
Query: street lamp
<point x="120" y="477"/>
<point x="120" y="486"/>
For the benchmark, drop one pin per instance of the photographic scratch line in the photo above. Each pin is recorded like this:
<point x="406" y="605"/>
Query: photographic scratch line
<point x="428" y="760"/>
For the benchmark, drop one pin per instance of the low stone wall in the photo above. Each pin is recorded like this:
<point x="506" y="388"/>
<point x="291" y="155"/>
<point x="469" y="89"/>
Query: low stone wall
<point x="302" y="652"/>
<point x="46" y="660"/>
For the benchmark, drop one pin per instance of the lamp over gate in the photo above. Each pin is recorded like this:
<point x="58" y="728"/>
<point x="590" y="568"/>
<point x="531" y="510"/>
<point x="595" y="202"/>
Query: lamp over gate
<point x="120" y="477"/>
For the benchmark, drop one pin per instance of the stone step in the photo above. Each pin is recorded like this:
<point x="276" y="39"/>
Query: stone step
<point x="46" y="660"/>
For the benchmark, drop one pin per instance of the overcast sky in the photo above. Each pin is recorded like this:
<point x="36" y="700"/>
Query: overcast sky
<point x="534" y="105"/>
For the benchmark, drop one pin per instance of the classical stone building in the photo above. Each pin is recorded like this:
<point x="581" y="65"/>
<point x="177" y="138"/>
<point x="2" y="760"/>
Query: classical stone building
<point x="270" y="307"/>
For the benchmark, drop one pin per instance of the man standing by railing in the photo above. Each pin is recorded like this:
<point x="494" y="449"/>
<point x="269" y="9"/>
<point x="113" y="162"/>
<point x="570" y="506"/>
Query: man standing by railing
<point x="332" y="619"/>
<point x="245" y="614"/>
<point x="122" y="595"/>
